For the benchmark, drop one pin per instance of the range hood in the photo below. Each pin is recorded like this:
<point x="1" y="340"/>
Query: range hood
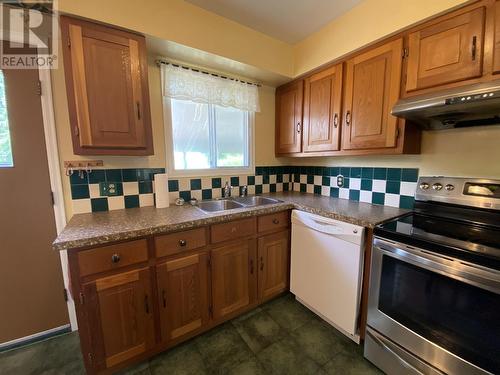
<point x="473" y="105"/>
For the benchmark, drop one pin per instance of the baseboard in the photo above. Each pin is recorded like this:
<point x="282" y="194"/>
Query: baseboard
<point x="34" y="337"/>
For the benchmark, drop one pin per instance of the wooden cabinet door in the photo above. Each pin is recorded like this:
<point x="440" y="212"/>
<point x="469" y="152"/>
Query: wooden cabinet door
<point x="183" y="295"/>
<point x="496" y="48"/>
<point x="289" y="118"/>
<point x="107" y="88"/>
<point x="322" y="100"/>
<point x="274" y="264"/>
<point x="446" y="51"/>
<point x="120" y="311"/>
<point x="372" y="87"/>
<point x="233" y="277"/>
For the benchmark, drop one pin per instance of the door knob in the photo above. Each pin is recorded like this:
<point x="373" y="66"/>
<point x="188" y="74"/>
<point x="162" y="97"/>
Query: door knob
<point x="115" y="258"/>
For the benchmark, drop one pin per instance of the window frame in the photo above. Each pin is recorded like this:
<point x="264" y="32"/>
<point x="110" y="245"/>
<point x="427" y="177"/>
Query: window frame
<point x="217" y="171"/>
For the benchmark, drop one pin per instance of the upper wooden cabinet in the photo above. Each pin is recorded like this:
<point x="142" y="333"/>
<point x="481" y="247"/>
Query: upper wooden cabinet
<point x="372" y="87"/>
<point x="107" y="89"/>
<point x="322" y="106"/>
<point x="496" y="39"/>
<point x="446" y="51"/>
<point x="289" y="118"/>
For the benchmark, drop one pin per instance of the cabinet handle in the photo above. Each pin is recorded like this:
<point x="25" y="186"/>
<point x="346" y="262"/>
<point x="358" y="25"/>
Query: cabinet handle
<point x="348" y="118"/>
<point x="182" y="242"/>
<point x="251" y="266"/>
<point x="336" y="120"/>
<point x="276" y="221"/>
<point x="298" y="127"/>
<point x="138" y="110"/>
<point x="164" y="297"/>
<point x="474" y="47"/>
<point x="261" y="263"/>
<point x="146" y="303"/>
<point x="115" y="258"/>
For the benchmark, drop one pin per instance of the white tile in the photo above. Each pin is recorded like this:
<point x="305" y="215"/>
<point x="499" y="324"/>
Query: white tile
<point x="206" y="183"/>
<point x="94" y="190"/>
<point x="303" y="179"/>
<point x="184" y="184"/>
<point x="172" y="196"/>
<point x="146" y="200"/>
<point x="272" y="179"/>
<point x="325" y="190"/>
<point x="216" y="193"/>
<point x="310" y="188"/>
<point x="296" y="186"/>
<point x="318" y="180"/>
<point x="116" y="203"/>
<point x="258" y="180"/>
<point x="243" y="180"/>
<point x="378" y="186"/>
<point x="130" y="188"/>
<point x="355" y="183"/>
<point x="391" y="200"/>
<point x="343" y="193"/>
<point x="251" y="189"/>
<point x="196" y="194"/>
<point x="265" y="188"/>
<point x="333" y="182"/>
<point x="365" y="196"/>
<point x="286" y="177"/>
<point x="81" y="206"/>
<point x="408" y="188"/>
<point x="279" y="186"/>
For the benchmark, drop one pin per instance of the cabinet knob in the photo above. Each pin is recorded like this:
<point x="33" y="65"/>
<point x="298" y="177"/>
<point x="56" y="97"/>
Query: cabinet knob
<point x="298" y="127"/>
<point x="348" y="118"/>
<point x="182" y="242"/>
<point x="276" y="221"/>
<point x="115" y="258"/>
<point x="336" y="120"/>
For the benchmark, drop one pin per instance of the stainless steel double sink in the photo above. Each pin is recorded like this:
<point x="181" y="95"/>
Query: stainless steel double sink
<point x="224" y="204"/>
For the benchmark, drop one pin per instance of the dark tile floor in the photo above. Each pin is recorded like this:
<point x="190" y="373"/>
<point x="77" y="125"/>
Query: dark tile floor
<point x="280" y="337"/>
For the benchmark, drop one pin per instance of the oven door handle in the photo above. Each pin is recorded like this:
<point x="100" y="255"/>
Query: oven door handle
<point x="478" y="276"/>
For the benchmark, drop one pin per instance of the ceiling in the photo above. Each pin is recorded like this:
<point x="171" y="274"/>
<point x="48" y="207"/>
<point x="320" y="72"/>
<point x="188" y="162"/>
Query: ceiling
<point x="286" y="20"/>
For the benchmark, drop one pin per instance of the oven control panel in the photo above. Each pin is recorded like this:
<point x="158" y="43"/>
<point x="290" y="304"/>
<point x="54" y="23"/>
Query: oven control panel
<point x="474" y="192"/>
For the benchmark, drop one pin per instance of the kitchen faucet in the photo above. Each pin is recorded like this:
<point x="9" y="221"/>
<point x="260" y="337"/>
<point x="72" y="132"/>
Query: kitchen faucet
<point x="227" y="190"/>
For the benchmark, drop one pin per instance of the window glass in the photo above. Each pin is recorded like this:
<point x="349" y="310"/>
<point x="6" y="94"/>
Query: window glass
<point x="231" y="129"/>
<point x="5" y="145"/>
<point x="207" y="136"/>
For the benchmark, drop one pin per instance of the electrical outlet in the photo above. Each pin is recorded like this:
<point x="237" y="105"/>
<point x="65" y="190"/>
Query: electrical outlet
<point x="109" y="189"/>
<point x="340" y="180"/>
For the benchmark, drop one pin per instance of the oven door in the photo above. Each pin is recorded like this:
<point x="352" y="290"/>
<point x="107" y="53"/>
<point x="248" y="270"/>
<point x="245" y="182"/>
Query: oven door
<point x="440" y="309"/>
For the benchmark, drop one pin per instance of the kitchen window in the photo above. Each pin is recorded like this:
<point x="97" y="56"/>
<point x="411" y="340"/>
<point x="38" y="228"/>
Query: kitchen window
<point x="5" y="144"/>
<point x="208" y="123"/>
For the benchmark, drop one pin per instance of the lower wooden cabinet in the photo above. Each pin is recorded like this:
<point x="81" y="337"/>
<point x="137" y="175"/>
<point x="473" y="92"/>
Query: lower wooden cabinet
<point x="183" y="295"/>
<point x="274" y="260"/>
<point x="233" y="277"/>
<point x="120" y="317"/>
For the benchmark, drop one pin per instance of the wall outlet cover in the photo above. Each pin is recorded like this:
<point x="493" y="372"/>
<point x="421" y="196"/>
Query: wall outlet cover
<point x="109" y="189"/>
<point x="340" y="181"/>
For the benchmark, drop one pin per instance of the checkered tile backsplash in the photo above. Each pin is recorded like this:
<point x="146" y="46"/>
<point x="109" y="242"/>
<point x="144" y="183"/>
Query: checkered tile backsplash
<point x="135" y="187"/>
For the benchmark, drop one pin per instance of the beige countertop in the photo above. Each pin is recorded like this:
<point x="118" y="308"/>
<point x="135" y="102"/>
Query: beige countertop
<point x="103" y="227"/>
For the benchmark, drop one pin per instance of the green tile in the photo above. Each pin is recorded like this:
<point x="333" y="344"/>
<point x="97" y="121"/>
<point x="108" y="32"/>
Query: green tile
<point x="279" y="178"/>
<point x="325" y="181"/>
<point x="354" y="195"/>
<point x="334" y="192"/>
<point x="131" y="201"/>
<point x="409" y="174"/>
<point x="366" y="184"/>
<point x="406" y="202"/>
<point x="206" y="194"/>
<point x="235" y="181"/>
<point x="97" y="176"/>
<point x="288" y="313"/>
<point x="145" y="187"/>
<point x="145" y="174"/>
<point x="80" y="191"/>
<point x="258" y="189"/>
<point x="75" y="178"/>
<point x="216" y="183"/>
<point x="310" y="179"/>
<point x="250" y="180"/>
<point x="355" y="172"/>
<point x="345" y="171"/>
<point x="378" y="198"/>
<point x="173" y="185"/>
<point x="195" y="184"/>
<point x="186" y="195"/>
<point x="317" y="189"/>
<point x="114" y="175"/>
<point x="272" y="188"/>
<point x="129" y="175"/>
<point x="367" y="173"/>
<point x="394" y="174"/>
<point x="99" y="204"/>
<point x="392" y="187"/>
<point x="184" y="359"/>
<point x="265" y="179"/>
<point x="303" y="188"/>
<point x="259" y="330"/>
<point x="379" y="173"/>
<point x="286" y="357"/>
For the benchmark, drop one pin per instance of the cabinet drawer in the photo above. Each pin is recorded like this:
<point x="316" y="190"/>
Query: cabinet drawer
<point x="174" y="243"/>
<point x="111" y="257"/>
<point x="273" y="221"/>
<point x="232" y="230"/>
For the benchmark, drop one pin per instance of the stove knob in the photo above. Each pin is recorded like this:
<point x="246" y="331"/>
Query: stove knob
<point x="437" y="186"/>
<point x="449" y="187"/>
<point x="424" y="186"/>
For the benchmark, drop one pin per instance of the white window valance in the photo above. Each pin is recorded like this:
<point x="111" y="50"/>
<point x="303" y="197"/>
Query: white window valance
<point x="187" y="84"/>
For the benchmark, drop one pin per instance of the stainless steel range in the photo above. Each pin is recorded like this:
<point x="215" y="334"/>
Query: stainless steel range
<point x="434" y="299"/>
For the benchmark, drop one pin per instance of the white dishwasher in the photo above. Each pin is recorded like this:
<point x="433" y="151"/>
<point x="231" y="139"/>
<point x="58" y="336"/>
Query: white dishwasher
<point x="327" y="268"/>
